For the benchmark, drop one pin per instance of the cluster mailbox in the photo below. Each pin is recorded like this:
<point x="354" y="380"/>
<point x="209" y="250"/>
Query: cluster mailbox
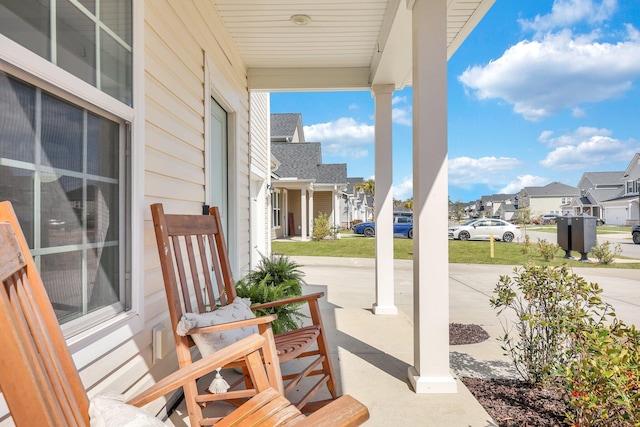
<point x="576" y="233"/>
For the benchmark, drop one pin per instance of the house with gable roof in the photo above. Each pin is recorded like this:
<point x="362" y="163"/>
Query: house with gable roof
<point x="553" y="198"/>
<point x="303" y="186"/>
<point x="624" y="209"/>
<point x="595" y="187"/>
<point x="354" y="204"/>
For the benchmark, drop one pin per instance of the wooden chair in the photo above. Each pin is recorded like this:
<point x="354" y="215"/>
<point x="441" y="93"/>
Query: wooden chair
<point x="190" y="248"/>
<point x="41" y="385"/>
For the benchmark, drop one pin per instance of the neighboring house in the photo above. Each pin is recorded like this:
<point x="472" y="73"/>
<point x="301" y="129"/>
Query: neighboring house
<point x="594" y="188"/>
<point x="168" y="101"/>
<point x="354" y="204"/>
<point x="491" y="204"/>
<point x="623" y="209"/>
<point x="305" y="187"/>
<point x="554" y="198"/>
<point x="507" y="211"/>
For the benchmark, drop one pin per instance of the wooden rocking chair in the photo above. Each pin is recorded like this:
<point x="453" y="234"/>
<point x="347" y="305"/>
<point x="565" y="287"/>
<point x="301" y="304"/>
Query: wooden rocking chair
<point x="188" y="275"/>
<point x="41" y="385"/>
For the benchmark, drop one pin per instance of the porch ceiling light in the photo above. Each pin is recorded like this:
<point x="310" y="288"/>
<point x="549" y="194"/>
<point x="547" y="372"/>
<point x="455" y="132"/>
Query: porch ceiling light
<point x="300" y="19"/>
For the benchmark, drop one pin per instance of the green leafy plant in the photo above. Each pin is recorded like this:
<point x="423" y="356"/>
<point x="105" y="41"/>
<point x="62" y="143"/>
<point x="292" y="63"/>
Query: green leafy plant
<point x="603" y="382"/>
<point x="321" y="227"/>
<point x="526" y="246"/>
<point x="604" y="253"/>
<point x="275" y="278"/>
<point x="550" y="305"/>
<point x="547" y="250"/>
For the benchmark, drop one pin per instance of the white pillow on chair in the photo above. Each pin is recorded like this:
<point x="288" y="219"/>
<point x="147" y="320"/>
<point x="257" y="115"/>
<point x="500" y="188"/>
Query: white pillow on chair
<point x="211" y="342"/>
<point x="109" y="410"/>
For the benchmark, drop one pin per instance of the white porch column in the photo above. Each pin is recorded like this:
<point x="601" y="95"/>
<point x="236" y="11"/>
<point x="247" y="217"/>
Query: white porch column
<point x="303" y="214"/>
<point x="310" y="214"/>
<point x="430" y="373"/>
<point x="384" y="201"/>
<point x="336" y="207"/>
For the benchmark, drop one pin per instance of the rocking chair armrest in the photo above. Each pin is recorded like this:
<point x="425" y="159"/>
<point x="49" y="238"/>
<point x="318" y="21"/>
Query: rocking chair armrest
<point x="342" y="412"/>
<point x="199" y="368"/>
<point x="303" y="298"/>
<point x="234" y="325"/>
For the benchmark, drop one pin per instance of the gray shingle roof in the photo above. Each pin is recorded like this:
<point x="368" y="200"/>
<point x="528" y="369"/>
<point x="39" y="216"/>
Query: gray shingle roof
<point x="283" y="126"/>
<point x="550" y="190"/>
<point x="304" y="161"/>
<point x="604" y="178"/>
<point x="351" y="184"/>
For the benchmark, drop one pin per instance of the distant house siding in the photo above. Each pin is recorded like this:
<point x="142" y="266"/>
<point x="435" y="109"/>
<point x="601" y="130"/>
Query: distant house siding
<point x="323" y="202"/>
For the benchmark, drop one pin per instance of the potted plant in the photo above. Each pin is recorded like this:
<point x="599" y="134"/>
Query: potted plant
<point x="275" y="278"/>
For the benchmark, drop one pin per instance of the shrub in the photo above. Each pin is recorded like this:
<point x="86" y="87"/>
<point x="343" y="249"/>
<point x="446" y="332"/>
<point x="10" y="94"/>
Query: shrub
<point x="276" y="278"/>
<point x="604" y="253"/>
<point x="603" y="382"/>
<point x="550" y="306"/>
<point x="321" y="227"/>
<point x="547" y="250"/>
<point x="526" y="246"/>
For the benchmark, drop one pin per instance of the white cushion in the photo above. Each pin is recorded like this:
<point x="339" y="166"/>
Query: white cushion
<point x="109" y="410"/>
<point x="213" y="341"/>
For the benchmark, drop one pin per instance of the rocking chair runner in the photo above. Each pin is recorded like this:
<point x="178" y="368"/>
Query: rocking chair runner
<point x="41" y="385"/>
<point x="189" y="275"/>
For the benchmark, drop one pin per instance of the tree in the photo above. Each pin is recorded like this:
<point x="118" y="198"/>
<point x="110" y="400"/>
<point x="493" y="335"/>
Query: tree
<point x="409" y="204"/>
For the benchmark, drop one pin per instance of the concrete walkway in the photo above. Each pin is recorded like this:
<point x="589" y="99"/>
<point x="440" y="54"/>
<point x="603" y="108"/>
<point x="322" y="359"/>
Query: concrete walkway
<point x="372" y="353"/>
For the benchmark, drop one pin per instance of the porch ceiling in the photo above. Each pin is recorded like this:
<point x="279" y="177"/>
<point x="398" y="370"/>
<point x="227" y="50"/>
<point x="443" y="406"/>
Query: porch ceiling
<point x="346" y="45"/>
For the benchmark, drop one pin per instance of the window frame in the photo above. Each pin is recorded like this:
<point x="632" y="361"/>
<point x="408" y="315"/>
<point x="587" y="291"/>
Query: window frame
<point x="276" y="209"/>
<point x="16" y="60"/>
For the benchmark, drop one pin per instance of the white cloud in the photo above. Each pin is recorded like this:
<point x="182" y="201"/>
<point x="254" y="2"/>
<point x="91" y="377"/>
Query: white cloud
<point x="523" y="181"/>
<point x="569" y="12"/>
<point x="397" y="99"/>
<point x="466" y="172"/>
<point x="572" y="138"/>
<point x="403" y="190"/>
<point x="344" y="137"/>
<point x="559" y="71"/>
<point x="590" y="153"/>
<point x="402" y="116"/>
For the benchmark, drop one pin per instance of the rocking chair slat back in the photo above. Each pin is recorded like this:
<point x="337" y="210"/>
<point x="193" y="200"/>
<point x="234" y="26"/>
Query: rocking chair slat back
<point x="45" y="385"/>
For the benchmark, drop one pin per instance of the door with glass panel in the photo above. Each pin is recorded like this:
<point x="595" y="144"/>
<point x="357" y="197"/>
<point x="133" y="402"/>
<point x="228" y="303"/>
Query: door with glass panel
<point x="218" y="186"/>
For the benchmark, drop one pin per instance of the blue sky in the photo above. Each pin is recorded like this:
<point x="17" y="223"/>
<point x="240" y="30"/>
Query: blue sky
<point x="541" y="91"/>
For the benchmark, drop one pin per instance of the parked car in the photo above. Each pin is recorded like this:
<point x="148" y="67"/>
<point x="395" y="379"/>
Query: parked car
<point x="635" y="233"/>
<point x="548" y="219"/>
<point x="402" y="227"/>
<point x="483" y="228"/>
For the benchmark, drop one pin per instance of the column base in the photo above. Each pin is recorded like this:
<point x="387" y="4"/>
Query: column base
<point x="385" y="309"/>
<point x="432" y="385"/>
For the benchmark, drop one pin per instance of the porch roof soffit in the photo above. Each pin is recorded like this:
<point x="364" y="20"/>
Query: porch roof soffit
<point x="294" y="184"/>
<point x="349" y="45"/>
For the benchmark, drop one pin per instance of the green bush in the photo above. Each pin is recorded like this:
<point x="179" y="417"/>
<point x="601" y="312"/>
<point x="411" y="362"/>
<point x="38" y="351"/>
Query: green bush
<point x="276" y="278"/>
<point x="526" y="246"/>
<point x="547" y="250"/>
<point x="603" y="382"/>
<point x="321" y="227"/>
<point x="604" y="253"/>
<point x="551" y="306"/>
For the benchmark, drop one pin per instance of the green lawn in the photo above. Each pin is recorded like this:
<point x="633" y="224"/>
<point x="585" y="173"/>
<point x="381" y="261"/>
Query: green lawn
<point x="471" y="252"/>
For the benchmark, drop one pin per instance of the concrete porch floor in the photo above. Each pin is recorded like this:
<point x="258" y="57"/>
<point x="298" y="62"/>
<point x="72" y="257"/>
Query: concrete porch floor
<point x="371" y="354"/>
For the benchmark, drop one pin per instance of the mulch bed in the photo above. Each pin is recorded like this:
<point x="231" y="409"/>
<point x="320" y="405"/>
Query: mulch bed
<point x="511" y="403"/>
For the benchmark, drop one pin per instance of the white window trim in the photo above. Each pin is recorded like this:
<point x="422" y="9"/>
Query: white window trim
<point x="94" y="343"/>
